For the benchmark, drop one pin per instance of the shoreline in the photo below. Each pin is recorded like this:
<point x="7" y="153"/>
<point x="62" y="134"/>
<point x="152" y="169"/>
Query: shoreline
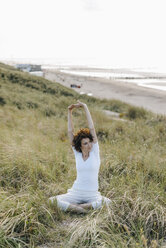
<point x="150" y="99"/>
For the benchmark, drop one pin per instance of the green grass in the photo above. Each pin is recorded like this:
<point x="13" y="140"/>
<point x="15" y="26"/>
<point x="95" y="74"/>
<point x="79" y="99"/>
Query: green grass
<point x="36" y="162"/>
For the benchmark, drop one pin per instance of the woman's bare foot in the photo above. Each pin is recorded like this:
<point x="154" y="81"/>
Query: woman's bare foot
<point x="77" y="209"/>
<point x="86" y="206"/>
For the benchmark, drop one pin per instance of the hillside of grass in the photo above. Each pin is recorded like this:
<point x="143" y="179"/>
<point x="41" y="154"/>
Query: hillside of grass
<point x="36" y="162"/>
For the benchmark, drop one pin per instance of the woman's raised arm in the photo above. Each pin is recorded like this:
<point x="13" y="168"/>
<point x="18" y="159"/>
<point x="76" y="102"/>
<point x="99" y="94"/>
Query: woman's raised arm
<point x="70" y="123"/>
<point x="90" y="121"/>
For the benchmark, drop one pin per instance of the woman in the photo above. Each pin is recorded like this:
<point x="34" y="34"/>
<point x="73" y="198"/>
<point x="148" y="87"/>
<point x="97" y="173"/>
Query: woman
<point x="84" y="193"/>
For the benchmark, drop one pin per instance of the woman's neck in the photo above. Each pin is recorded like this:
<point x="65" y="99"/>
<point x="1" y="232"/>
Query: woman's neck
<point x="85" y="154"/>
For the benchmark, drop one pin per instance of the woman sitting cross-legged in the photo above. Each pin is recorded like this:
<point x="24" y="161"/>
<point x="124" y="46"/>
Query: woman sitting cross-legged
<point x="84" y="194"/>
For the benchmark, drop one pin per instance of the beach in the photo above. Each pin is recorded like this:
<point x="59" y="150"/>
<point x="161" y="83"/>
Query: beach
<point x="104" y="88"/>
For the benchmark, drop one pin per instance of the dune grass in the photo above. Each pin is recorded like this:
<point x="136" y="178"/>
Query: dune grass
<point x="36" y="162"/>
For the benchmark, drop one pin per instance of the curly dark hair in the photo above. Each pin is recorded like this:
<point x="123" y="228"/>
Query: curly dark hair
<point x="81" y="134"/>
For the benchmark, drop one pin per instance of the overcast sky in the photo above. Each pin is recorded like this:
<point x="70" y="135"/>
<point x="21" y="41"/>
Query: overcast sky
<point x="118" y="32"/>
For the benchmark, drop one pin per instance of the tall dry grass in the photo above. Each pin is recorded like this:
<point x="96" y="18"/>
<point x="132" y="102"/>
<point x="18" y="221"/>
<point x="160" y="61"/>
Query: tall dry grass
<point x="36" y="162"/>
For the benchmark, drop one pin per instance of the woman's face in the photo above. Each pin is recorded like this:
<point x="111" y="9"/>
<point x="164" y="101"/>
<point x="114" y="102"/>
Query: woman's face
<point x="86" y="145"/>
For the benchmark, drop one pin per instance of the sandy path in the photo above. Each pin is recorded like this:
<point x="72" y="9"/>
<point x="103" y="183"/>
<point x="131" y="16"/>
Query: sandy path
<point x="151" y="99"/>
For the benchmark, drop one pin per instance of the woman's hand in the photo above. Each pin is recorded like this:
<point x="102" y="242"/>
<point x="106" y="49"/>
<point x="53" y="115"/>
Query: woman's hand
<point x="81" y="104"/>
<point x="77" y="105"/>
<point x="73" y="106"/>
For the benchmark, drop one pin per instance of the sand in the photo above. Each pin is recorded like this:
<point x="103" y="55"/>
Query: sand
<point x="151" y="99"/>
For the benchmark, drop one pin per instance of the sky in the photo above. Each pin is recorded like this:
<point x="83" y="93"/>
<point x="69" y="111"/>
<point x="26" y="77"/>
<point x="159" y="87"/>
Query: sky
<point x="117" y="32"/>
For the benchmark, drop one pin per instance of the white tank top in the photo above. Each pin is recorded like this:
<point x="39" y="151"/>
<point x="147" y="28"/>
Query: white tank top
<point x="87" y="171"/>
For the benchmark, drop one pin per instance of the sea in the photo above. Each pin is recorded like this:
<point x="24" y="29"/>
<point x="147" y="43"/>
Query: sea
<point x="153" y="77"/>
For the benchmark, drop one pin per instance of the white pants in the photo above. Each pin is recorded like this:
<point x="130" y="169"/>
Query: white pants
<point x="74" y="196"/>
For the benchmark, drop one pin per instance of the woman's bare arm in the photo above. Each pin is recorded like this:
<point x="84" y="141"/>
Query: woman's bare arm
<point x="70" y="126"/>
<point x="90" y="121"/>
<point x="70" y="123"/>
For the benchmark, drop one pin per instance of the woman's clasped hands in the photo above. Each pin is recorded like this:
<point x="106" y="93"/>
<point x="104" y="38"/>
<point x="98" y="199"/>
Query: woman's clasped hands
<point x="76" y="105"/>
